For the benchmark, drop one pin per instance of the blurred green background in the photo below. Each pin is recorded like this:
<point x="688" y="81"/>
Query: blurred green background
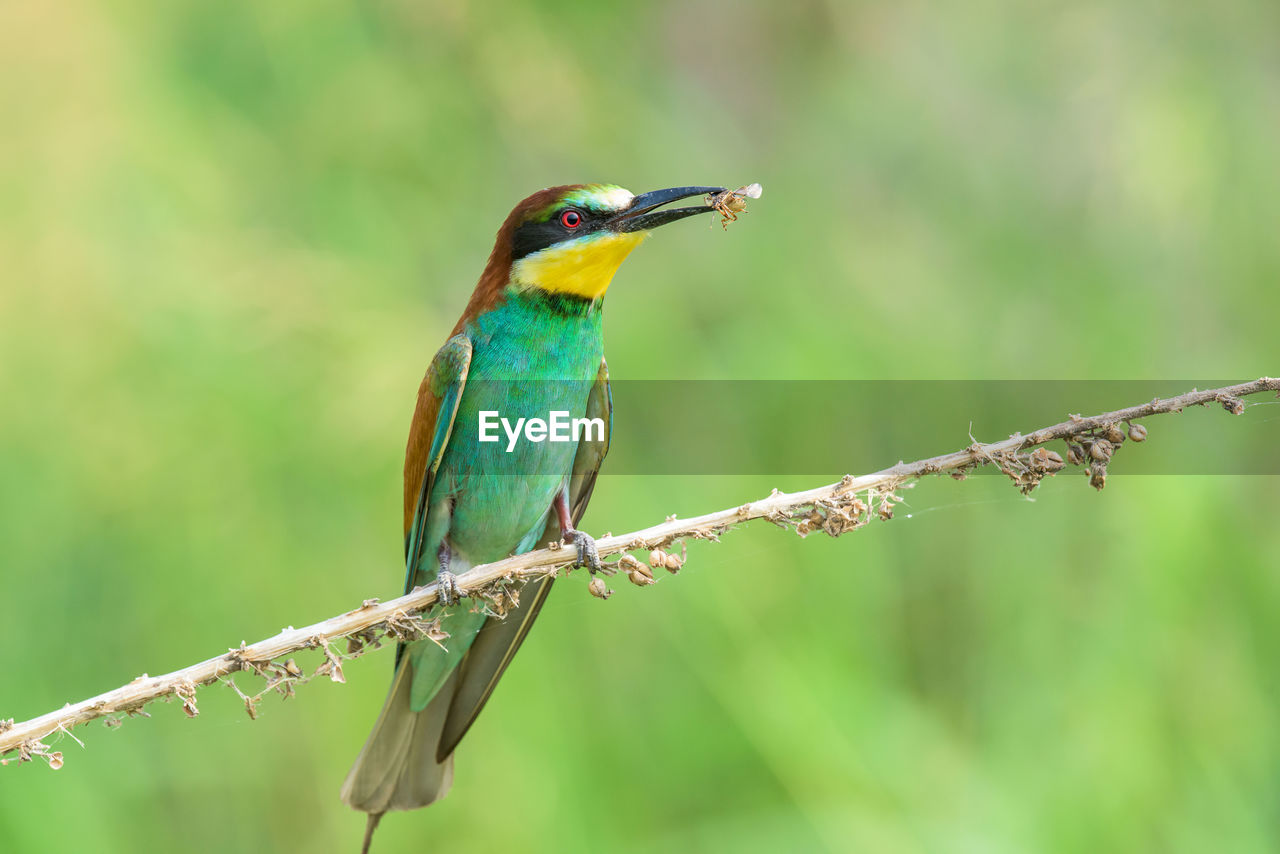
<point x="232" y="235"/>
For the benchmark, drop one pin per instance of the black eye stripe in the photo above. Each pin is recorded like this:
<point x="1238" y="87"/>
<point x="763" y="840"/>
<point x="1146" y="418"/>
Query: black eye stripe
<point x="535" y="236"/>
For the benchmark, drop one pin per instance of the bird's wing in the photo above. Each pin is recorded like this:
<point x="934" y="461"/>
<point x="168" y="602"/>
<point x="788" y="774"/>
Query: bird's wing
<point x="499" y="639"/>
<point x="438" y="399"/>
<point x="591" y="454"/>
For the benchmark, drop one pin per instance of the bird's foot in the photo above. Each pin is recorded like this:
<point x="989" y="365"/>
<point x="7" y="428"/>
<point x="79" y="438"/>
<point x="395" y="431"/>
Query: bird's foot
<point x="588" y="554"/>
<point x="447" y="587"/>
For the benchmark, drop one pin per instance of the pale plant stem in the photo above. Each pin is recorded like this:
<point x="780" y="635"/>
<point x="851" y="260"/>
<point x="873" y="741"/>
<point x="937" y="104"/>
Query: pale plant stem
<point x="834" y="509"/>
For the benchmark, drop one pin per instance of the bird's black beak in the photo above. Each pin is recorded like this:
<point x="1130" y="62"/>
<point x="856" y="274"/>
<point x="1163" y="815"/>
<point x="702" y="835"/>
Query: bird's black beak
<point x="643" y="213"/>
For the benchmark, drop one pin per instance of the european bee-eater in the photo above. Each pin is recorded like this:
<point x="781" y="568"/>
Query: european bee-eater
<point x="528" y="344"/>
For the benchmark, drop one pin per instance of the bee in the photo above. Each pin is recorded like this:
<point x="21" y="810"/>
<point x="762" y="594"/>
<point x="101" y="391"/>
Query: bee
<point x="730" y="203"/>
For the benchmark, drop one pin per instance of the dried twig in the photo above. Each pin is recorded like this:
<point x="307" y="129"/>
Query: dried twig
<point x="832" y="509"/>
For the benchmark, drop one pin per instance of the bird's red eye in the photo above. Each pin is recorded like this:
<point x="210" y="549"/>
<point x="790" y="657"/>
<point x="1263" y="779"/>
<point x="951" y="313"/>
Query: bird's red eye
<point x="571" y="219"/>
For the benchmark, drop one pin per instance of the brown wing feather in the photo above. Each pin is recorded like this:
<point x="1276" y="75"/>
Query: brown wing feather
<point x="499" y="639"/>
<point x="421" y="431"/>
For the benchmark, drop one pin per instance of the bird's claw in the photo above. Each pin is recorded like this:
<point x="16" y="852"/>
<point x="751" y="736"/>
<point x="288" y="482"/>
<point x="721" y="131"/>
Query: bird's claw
<point x="588" y="554"/>
<point x="447" y="588"/>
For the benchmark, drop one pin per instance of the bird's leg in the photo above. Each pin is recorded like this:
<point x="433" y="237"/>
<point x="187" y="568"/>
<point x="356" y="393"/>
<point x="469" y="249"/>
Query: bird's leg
<point x="446" y="581"/>
<point x="588" y="555"/>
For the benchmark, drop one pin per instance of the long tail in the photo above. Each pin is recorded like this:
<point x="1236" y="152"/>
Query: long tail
<point x="397" y="768"/>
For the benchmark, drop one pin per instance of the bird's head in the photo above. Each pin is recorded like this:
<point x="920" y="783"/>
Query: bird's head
<point x="571" y="239"/>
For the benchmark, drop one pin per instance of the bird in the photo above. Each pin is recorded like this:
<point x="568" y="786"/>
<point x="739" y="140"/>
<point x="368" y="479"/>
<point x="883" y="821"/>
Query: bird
<point x="528" y="344"/>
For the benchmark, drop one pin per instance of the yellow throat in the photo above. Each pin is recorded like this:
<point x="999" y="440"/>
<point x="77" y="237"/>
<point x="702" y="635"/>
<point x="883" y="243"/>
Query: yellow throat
<point x="581" y="268"/>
